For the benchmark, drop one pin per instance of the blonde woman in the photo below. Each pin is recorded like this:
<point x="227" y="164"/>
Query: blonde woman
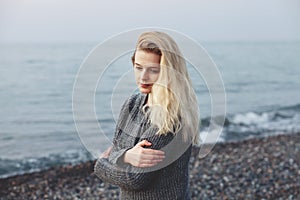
<point x="156" y="127"/>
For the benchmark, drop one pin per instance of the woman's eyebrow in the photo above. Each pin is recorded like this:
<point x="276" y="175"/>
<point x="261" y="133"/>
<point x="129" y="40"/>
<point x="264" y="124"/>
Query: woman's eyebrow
<point x="138" y="64"/>
<point x="150" y="65"/>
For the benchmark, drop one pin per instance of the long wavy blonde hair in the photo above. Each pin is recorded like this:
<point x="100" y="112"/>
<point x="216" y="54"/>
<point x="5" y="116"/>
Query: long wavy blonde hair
<point x="174" y="103"/>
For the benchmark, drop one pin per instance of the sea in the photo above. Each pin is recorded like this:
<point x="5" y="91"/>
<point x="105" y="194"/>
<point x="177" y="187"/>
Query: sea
<point x="37" y="129"/>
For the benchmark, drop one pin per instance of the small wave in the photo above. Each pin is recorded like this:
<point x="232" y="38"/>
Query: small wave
<point x="10" y="167"/>
<point x="250" y="118"/>
<point x="253" y="124"/>
<point x="295" y="107"/>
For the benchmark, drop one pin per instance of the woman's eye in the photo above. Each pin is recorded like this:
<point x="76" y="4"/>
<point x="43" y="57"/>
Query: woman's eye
<point x="154" y="71"/>
<point x="138" y="67"/>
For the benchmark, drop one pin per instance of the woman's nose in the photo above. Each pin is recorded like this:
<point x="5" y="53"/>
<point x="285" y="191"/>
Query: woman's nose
<point x="144" y="75"/>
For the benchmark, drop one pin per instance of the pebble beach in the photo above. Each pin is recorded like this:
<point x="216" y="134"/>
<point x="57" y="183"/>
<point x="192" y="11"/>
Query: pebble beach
<point x="259" y="168"/>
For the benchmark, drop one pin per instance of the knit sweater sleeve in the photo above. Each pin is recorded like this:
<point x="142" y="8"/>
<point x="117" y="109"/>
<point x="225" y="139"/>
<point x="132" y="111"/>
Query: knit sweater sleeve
<point x="127" y="176"/>
<point x="117" y="149"/>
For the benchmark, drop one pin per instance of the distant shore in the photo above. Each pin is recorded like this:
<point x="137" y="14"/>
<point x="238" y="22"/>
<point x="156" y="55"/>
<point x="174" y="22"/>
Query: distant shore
<point x="262" y="168"/>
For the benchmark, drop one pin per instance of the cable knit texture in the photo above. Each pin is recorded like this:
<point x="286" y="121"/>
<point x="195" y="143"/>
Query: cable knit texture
<point x="167" y="180"/>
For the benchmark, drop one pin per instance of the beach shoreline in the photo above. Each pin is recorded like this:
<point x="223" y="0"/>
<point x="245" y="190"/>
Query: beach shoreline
<point x="258" y="168"/>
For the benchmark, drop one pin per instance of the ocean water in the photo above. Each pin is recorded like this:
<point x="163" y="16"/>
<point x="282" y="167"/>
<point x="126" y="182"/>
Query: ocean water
<point x="37" y="129"/>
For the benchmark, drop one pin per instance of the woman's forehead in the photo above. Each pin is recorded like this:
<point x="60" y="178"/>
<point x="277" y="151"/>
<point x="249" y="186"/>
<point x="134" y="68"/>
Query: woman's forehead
<point x="144" y="58"/>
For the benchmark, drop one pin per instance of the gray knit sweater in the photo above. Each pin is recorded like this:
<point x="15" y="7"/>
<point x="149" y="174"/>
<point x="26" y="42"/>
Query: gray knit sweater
<point x="167" y="180"/>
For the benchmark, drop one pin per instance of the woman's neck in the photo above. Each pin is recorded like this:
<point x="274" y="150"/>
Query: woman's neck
<point x="149" y="101"/>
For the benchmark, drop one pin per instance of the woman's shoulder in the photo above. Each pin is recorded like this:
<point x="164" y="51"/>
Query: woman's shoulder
<point x="135" y="100"/>
<point x="135" y="97"/>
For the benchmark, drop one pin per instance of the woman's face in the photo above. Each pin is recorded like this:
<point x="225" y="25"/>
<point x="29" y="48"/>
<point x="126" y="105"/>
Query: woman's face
<point x="146" y="70"/>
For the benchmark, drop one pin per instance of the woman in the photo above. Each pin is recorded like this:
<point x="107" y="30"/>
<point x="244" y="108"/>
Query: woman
<point x="156" y="128"/>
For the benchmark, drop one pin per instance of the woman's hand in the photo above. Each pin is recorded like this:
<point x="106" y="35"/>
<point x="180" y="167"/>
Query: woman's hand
<point x="139" y="156"/>
<point x="106" y="153"/>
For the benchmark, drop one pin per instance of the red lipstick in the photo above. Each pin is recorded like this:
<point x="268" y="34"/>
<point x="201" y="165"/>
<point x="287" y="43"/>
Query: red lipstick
<point x="145" y="85"/>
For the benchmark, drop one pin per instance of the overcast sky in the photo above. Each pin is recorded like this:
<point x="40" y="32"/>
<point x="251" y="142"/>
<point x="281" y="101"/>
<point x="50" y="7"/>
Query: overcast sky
<point x="95" y="20"/>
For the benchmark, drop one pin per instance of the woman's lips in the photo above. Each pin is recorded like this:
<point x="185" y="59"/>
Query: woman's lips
<point x="145" y="85"/>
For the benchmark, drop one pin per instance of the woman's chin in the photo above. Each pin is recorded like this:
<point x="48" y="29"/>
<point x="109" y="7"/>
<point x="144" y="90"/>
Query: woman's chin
<point x="145" y="90"/>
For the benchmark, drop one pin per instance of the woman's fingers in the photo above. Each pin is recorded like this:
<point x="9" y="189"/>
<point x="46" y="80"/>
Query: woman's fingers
<point x="153" y="155"/>
<point x="106" y="153"/>
<point x="153" y="152"/>
<point x="147" y="165"/>
<point x="149" y="151"/>
<point x="144" y="143"/>
<point x="150" y="157"/>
